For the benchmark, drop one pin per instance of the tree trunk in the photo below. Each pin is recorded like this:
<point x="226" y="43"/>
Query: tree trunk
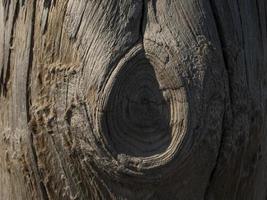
<point x="141" y="99"/>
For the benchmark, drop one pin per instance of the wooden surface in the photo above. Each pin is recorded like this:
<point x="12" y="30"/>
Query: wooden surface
<point x="140" y="99"/>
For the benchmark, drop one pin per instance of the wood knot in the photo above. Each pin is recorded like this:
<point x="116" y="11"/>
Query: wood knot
<point x="137" y="118"/>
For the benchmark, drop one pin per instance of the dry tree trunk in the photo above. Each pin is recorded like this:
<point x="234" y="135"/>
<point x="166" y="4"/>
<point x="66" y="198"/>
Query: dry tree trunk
<point x="133" y="99"/>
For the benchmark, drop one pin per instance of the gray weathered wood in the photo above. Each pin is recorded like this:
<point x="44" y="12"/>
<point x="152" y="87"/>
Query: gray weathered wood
<point x="141" y="99"/>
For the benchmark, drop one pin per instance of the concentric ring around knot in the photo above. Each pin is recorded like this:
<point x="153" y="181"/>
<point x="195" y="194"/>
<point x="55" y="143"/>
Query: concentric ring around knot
<point x="142" y="115"/>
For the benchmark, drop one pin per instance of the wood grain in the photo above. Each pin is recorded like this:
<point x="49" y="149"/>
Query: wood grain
<point x="144" y="99"/>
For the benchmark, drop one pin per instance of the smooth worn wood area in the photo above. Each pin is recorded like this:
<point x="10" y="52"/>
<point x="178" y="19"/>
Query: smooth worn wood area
<point x="133" y="99"/>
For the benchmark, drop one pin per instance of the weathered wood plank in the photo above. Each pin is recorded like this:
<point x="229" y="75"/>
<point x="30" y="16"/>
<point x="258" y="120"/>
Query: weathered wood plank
<point x="145" y="99"/>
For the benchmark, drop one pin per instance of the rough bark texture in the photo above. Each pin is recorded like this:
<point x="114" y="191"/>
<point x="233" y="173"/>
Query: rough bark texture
<point x="133" y="99"/>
